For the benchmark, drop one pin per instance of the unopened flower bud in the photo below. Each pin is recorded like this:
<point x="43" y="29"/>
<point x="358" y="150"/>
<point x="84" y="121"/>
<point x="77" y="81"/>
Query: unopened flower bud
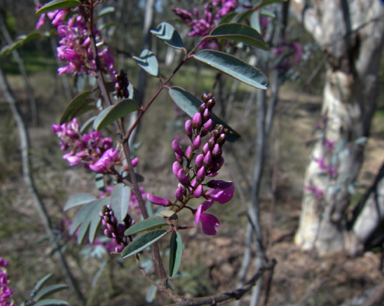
<point x="157" y="200"/>
<point x="217" y="164"/>
<point x="215" y="133"/>
<point x="197" y="121"/>
<point x="176" y="147"/>
<point x="211" y="103"/>
<point x="176" y="167"/>
<point x="221" y="139"/>
<point x="216" y="152"/>
<point x="183" y="179"/>
<point x="189" y="153"/>
<point x="205" y="148"/>
<point x="201" y="108"/>
<point x="179" y="157"/>
<point x="208" y="125"/>
<point x="120" y="229"/>
<point x="119" y="248"/>
<point x="113" y="220"/>
<point x="179" y="194"/>
<point x="110" y="227"/>
<point x="206" y="115"/>
<point x="211" y="143"/>
<point x="199" y="160"/>
<point x="201" y="173"/>
<point x="135" y="161"/>
<point x="198" y="192"/>
<point x="205" y="97"/>
<point x="207" y="158"/>
<point x="197" y="142"/>
<point x="188" y="128"/>
<point x="107" y="233"/>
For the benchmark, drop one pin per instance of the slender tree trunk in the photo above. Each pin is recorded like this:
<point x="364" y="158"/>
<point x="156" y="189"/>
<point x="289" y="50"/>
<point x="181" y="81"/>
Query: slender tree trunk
<point x="30" y="184"/>
<point x="351" y="34"/>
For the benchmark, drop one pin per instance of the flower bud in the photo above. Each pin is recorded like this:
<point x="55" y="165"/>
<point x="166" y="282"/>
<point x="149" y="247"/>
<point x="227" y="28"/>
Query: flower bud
<point x="215" y="133"/>
<point x="206" y="115"/>
<point x="208" y="125"/>
<point x="176" y="167"/>
<point x="179" y="194"/>
<point x="135" y="161"/>
<point x="211" y="143"/>
<point x="107" y="233"/>
<point x="201" y="108"/>
<point x="113" y="220"/>
<point x="198" y="192"/>
<point x="216" y="152"/>
<point x="119" y="248"/>
<point x="201" y="173"/>
<point x="110" y="227"/>
<point x="205" y="148"/>
<point x="189" y="153"/>
<point x="179" y="157"/>
<point x="199" y="160"/>
<point x="207" y="158"/>
<point x="197" y="142"/>
<point x="157" y="200"/>
<point x="197" y="121"/>
<point x="221" y="139"/>
<point x="183" y="179"/>
<point x="217" y="164"/>
<point x="188" y="128"/>
<point x="211" y="103"/>
<point x="120" y="229"/>
<point x="176" y="147"/>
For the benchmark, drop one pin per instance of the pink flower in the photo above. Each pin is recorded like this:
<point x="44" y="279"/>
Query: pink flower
<point x="73" y="160"/>
<point x="157" y="200"/>
<point x="317" y="192"/>
<point x="208" y="221"/>
<point x="221" y="191"/>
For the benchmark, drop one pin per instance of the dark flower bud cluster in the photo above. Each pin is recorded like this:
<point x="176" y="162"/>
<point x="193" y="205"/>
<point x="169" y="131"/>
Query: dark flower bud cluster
<point x="114" y="230"/>
<point x="121" y="85"/>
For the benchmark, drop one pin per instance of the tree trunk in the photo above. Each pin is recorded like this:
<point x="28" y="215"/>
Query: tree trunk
<point x="351" y="33"/>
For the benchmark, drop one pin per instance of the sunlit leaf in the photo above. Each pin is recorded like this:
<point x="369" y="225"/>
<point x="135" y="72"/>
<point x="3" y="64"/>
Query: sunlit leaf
<point x="189" y="104"/>
<point x="146" y="225"/>
<point x="79" y="199"/>
<point x="114" y="112"/>
<point x="169" y="35"/>
<point x="120" y="200"/>
<point x="142" y="242"/>
<point x="106" y="10"/>
<point x="239" y="32"/>
<point x="75" y="105"/>
<point x="47" y="291"/>
<point x="234" y="67"/>
<point x="175" y="253"/>
<point x="148" y="62"/>
<point x="57" y="5"/>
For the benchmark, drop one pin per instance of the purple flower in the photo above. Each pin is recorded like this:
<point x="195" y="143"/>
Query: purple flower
<point x="208" y="221"/>
<point x="317" y="192"/>
<point x="221" y="191"/>
<point x="157" y="200"/>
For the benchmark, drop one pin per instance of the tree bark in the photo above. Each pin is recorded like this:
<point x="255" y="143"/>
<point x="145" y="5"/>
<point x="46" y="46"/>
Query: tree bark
<point x="351" y="33"/>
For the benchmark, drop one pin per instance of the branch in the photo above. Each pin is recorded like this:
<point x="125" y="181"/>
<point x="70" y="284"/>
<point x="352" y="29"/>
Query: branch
<point x="236" y="294"/>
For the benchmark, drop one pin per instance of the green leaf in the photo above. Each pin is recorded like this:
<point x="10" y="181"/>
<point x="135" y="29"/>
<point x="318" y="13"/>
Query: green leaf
<point x="87" y="125"/>
<point x="92" y="217"/>
<point x="75" y="105"/>
<point x="99" y="181"/>
<point x="175" y="253"/>
<point x="255" y="21"/>
<point x="80" y="216"/>
<point x="57" y="5"/>
<point x="106" y="10"/>
<point x="148" y="62"/>
<point x="47" y="291"/>
<point x="138" y="176"/>
<point x="31" y="36"/>
<point x="84" y="109"/>
<point x="239" y="32"/>
<point x="267" y="2"/>
<point x="114" y="112"/>
<point x="151" y="293"/>
<point x="267" y="13"/>
<point x="107" y="25"/>
<point x="244" y="15"/>
<point x="190" y="105"/>
<point x="79" y="199"/>
<point x="146" y="225"/>
<point x="169" y="214"/>
<point x="234" y="67"/>
<point x="227" y="18"/>
<point x="169" y="35"/>
<point x="51" y="303"/>
<point x="120" y="200"/>
<point x="142" y="242"/>
<point x="41" y="282"/>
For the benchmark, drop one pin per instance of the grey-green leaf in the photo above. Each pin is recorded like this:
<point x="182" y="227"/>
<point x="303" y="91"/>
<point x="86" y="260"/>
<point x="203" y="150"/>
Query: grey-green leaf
<point x="146" y="225"/>
<point x="41" y="282"/>
<point x="57" y="5"/>
<point x="267" y="13"/>
<point x="227" y="18"/>
<point x="142" y="242"/>
<point x="169" y="35"/>
<point x="234" y="67"/>
<point x="255" y="21"/>
<point x="92" y="219"/>
<point x="120" y="200"/>
<point x="264" y="3"/>
<point x="239" y="32"/>
<point x="87" y="125"/>
<point x="51" y="303"/>
<point x="80" y="217"/>
<point x="175" y="253"/>
<point x="75" y="105"/>
<point x="106" y="10"/>
<point x="114" y="112"/>
<point x="190" y="105"/>
<point x="79" y="199"/>
<point x="151" y="293"/>
<point x="47" y="291"/>
<point x="148" y="62"/>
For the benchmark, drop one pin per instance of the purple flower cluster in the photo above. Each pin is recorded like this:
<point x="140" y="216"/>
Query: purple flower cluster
<point x="192" y="167"/>
<point x="317" y="192"/>
<point x="75" y="44"/>
<point x="5" y="292"/>
<point x="291" y="53"/>
<point x="329" y="169"/>
<point x="213" y="11"/>
<point x="94" y="151"/>
<point x="113" y="229"/>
